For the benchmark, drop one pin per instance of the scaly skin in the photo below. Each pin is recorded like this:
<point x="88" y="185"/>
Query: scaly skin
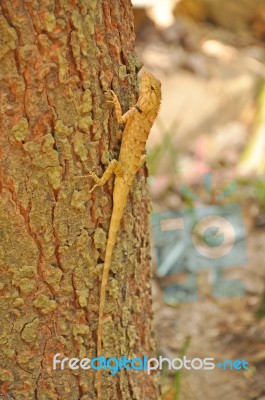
<point x="138" y="122"/>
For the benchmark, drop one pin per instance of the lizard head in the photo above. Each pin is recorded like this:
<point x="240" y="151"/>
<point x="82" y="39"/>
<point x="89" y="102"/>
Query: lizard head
<point x="150" y="93"/>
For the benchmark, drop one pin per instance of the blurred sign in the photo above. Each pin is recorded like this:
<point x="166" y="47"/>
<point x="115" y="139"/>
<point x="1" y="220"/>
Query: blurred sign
<point x="209" y="237"/>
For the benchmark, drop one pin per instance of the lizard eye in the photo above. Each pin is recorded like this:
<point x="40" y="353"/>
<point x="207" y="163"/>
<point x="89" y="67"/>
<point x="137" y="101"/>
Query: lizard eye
<point x="152" y="88"/>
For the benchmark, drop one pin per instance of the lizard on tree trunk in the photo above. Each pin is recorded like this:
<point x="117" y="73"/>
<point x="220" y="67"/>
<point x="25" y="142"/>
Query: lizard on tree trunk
<point x="138" y="121"/>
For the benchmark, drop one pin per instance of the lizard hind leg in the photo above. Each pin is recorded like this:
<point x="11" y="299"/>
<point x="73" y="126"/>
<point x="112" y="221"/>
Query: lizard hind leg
<point x="114" y="167"/>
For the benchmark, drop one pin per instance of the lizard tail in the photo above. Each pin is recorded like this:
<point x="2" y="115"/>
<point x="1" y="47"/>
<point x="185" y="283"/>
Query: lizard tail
<point x="102" y="300"/>
<point x="114" y="227"/>
<point x="106" y="268"/>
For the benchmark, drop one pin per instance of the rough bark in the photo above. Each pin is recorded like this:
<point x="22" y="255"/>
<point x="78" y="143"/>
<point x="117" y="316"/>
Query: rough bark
<point x="57" y="58"/>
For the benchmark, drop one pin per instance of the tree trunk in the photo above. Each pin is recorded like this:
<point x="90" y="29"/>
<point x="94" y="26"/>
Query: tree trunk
<point x="57" y="60"/>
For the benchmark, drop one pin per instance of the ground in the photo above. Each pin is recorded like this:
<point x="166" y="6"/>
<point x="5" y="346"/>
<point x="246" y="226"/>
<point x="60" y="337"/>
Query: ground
<point x="210" y="81"/>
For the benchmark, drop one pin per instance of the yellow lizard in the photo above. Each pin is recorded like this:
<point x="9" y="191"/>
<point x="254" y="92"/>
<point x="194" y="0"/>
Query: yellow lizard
<point x="138" y="121"/>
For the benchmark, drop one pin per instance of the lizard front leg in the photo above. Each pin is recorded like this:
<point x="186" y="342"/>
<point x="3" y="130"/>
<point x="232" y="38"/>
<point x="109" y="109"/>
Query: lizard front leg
<point x="122" y="119"/>
<point x="114" y="167"/>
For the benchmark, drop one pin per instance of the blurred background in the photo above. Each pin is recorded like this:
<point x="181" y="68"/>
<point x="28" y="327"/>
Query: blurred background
<point x="207" y="149"/>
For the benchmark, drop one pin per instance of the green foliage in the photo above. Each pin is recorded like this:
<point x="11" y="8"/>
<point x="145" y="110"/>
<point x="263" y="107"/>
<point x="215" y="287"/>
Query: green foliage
<point x="260" y="192"/>
<point x="164" y="151"/>
<point x="251" y="190"/>
<point x="178" y="375"/>
<point x="174" y="390"/>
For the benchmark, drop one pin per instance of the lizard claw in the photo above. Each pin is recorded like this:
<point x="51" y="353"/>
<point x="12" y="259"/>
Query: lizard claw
<point x="114" y="97"/>
<point x="91" y="190"/>
<point x="88" y="175"/>
<point x="111" y="101"/>
<point x="89" y="172"/>
<point x="80" y="176"/>
<point x="94" y="176"/>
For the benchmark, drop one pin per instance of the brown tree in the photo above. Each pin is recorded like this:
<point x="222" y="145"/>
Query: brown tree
<point x="57" y="61"/>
